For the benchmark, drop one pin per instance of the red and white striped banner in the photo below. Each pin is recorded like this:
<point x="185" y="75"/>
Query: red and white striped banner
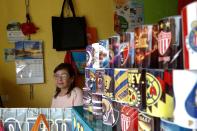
<point x="189" y="23"/>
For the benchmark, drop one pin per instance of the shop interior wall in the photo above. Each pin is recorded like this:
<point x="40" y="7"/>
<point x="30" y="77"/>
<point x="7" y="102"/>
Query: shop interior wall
<point x="99" y="14"/>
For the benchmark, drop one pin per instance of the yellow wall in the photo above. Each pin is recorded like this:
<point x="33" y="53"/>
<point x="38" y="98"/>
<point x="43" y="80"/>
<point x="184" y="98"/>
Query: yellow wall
<point x="98" y="14"/>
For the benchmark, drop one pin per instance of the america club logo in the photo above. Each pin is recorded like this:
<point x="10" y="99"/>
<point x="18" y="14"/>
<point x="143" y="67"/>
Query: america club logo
<point x="164" y="40"/>
<point x="154" y="90"/>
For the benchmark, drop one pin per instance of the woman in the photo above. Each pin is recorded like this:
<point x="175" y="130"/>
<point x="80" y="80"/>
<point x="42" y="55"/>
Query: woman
<point x="66" y="95"/>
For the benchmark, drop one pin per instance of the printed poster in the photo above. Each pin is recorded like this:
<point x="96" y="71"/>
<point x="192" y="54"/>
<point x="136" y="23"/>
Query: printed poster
<point x="128" y="14"/>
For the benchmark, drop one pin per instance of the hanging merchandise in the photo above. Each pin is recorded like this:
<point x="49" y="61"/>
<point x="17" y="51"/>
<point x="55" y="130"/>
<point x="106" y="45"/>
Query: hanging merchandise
<point x="123" y="117"/>
<point x="68" y="32"/>
<point x="90" y="79"/>
<point x="108" y="113"/>
<point x="137" y="88"/>
<point x="92" y="56"/>
<point x="97" y="77"/>
<point x="129" y="118"/>
<point x="111" y="53"/>
<point x="97" y="55"/>
<point x="124" y="50"/>
<point x="103" y="53"/>
<point x="189" y="20"/>
<point x="154" y="51"/>
<point x="121" y="85"/>
<point x="116" y="125"/>
<point x="87" y="99"/>
<point x="129" y="37"/>
<point x="170" y="43"/>
<point x="109" y="83"/>
<point x="90" y="83"/>
<point x="145" y="47"/>
<point x="159" y="93"/>
<point x="97" y="106"/>
<point x="143" y="86"/>
<point x="114" y="43"/>
<point x="28" y="27"/>
<point x="99" y="81"/>
<point x="89" y="56"/>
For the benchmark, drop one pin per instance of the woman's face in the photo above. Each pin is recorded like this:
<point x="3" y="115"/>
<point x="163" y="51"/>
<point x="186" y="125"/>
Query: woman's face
<point x="63" y="79"/>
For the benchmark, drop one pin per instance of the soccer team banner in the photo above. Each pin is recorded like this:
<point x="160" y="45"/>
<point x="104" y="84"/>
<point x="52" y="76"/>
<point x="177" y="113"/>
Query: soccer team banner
<point x="139" y="76"/>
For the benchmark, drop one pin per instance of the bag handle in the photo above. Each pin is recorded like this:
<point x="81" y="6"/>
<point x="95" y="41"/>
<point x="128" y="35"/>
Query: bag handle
<point x="37" y="123"/>
<point x="70" y="3"/>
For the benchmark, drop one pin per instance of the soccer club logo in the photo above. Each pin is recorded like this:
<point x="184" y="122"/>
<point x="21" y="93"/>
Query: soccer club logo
<point x="124" y="53"/>
<point x="164" y="40"/>
<point x="129" y="118"/>
<point x="154" y="90"/>
<point x="125" y="122"/>
<point x="134" y="97"/>
<point x="192" y="41"/>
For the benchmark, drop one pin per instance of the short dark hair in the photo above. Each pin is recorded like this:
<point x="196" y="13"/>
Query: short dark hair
<point x="71" y="72"/>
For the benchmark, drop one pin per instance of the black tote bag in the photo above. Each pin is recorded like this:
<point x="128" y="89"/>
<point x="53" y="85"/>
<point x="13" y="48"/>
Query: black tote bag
<point x="68" y="32"/>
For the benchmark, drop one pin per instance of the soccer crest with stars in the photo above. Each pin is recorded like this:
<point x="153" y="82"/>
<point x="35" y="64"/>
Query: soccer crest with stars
<point x="164" y="37"/>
